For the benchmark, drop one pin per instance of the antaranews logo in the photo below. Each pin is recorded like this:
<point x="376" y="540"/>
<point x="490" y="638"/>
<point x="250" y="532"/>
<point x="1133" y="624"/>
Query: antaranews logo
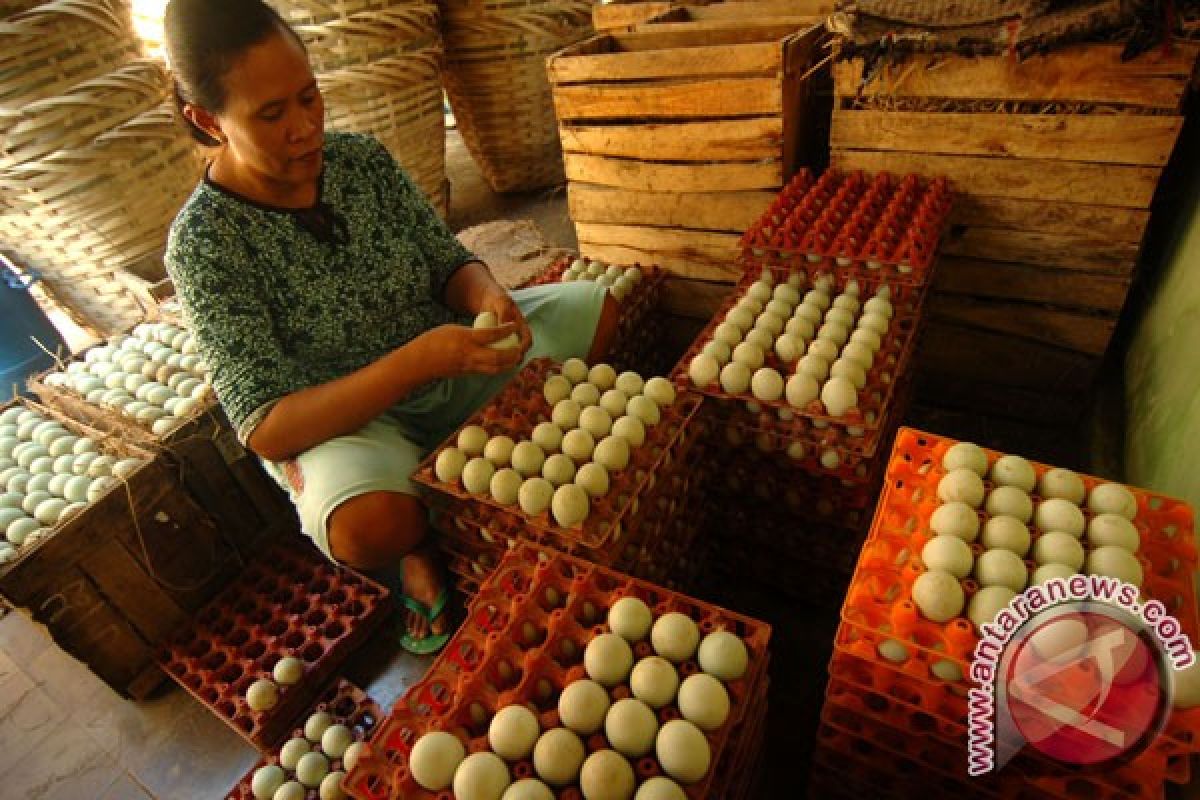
<point x="1077" y="668"/>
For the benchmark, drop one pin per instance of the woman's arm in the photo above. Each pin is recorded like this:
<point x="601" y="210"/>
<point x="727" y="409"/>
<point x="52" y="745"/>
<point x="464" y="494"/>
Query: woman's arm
<point x="308" y="417"/>
<point x="472" y="289"/>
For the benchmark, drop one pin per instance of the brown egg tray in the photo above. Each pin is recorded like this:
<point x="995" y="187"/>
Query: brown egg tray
<point x="523" y="642"/>
<point x="291" y="601"/>
<point x="515" y="412"/>
<point x="348" y="705"/>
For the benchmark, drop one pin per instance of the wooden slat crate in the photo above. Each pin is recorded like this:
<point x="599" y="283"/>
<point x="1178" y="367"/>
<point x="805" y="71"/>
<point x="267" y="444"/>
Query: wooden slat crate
<point x="1056" y="160"/>
<point x="676" y="137"/>
<point x="622" y="16"/>
<point x="118" y="578"/>
<point x="224" y="478"/>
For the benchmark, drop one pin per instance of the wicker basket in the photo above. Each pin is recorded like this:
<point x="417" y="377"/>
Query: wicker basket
<point x="496" y="80"/>
<point x="82" y="216"/>
<point x="76" y="117"/>
<point x="378" y="63"/>
<point x="56" y="45"/>
<point x="10" y="8"/>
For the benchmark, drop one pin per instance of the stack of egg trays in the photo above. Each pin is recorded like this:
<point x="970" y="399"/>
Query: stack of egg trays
<point x="902" y="703"/>
<point x="638" y="340"/>
<point x="857" y="435"/>
<point x="523" y="642"/>
<point x="879" y="606"/>
<point x="348" y="705"/>
<point x="515" y="412"/>
<point x="289" y="601"/>
<point x="857" y="226"/>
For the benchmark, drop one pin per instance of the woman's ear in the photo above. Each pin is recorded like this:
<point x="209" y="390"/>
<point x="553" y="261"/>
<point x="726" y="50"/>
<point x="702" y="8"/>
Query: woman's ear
<point x="204" y="120"/>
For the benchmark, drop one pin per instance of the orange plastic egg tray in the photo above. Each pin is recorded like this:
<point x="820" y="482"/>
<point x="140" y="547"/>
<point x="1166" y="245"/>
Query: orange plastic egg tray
<point x="523" y="642"/>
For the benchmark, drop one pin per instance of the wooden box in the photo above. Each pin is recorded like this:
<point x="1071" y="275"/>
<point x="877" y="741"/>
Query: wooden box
<point x="1055" y="160"/>
<point x="623" y="16"/>
<point x="675" y="140"/>
<point x="118" y="578"/>
<point x="223" y="477"/>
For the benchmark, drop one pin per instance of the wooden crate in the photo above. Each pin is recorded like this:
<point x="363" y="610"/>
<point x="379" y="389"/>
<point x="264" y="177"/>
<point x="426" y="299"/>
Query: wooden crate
<point x="118" y="578"/>
<point x="675" y="139"/>
<point x="1056" y="160"/>
<point x="225" y="479"/>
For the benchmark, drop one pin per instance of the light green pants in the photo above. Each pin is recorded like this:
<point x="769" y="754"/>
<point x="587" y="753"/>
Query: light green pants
<point x="383" y="454"/>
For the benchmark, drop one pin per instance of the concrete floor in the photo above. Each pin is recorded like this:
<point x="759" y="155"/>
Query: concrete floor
<point x="65" y="735"/>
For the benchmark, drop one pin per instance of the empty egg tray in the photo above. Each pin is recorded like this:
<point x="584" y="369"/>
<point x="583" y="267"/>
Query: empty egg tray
<point x="523" y="642"/>
<point x="878" y="227"/>
<point x="291" y="601"/>
<point x="879" y="607"/>
<point x="348" y="705"/>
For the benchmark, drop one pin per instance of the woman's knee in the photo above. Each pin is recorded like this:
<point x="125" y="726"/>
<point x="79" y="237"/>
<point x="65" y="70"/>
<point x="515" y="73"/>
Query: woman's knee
<point x="376" y="529"/>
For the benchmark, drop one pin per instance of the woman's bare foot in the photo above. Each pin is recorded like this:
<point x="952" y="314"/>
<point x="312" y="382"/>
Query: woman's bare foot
<point x="422" y="582"/>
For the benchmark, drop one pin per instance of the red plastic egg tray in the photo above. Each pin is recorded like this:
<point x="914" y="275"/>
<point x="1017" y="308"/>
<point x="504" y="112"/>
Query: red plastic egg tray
<point x="879" y="607"/>
<point x="289" y="601"/>
<point x="348" y="705"/>
<point x="523" y="642"/>
<point x="855" y="436"/>
<point x="872" y="227"/>
<point x="515" y="412"/>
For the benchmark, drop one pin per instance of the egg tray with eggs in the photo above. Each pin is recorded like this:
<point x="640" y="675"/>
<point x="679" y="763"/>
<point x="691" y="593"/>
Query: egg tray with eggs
<point x="905" y="705"/>
<point x="52" y="471"/>
<point x="515" y="412"/>
<point x="879" y="227"/>
<point x="149" y="385"/>
<point x="523" y="642"/>
<point x="289" y="601"/>
<point x="344" y="704"/>
<point x="850" y="437"/>
<point x="881" y="621"/>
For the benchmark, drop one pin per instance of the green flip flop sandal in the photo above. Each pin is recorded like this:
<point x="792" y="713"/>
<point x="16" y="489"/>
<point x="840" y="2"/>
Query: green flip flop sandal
<point x="432" y="642"/>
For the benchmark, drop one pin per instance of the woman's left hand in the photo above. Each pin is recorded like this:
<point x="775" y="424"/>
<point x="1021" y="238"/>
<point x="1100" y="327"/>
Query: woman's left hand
<point x="500" y="303"/>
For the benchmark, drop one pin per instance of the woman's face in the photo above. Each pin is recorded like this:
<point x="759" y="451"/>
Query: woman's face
<point x="274" y="118"/>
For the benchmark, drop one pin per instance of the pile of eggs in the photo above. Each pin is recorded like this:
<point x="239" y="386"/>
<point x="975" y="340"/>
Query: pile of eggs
<point x="827" y="343"/>
<point x="1054" y="533"/>
<point x="597" y="419"/>
<point x="152" y="375"/>
<point x="263" y="694"/>
<point x="620" y="281"/>
<point x="47" y="475"/>
<point x="306" y="762"/>
<point x="630" y="726"/>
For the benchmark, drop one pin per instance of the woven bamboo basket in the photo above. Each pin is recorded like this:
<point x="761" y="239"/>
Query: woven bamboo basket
<point x="345" y="34"/>
<point x="48" y="49"/>
<point x="76" y="117"/>
<point x="83" y="216"/>
<point x="10" y="8"/>
<point x="148" y="24"/>
<point x="496" y="79"/>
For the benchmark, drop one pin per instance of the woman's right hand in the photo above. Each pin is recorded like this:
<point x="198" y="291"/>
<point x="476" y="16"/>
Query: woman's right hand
<point x="458" y="350"/>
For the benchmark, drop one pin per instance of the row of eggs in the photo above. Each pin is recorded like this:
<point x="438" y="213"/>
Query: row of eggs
<point x="620" y="281"/>
<point x="305" y="762"/>
<point x="153" y="375"/>
<point x="597" y="418"/>
<point x="830" y="345"/>
<point x="1058" y="549"/>
<point x="48" y="474"/>
<point x="585" y="707"/>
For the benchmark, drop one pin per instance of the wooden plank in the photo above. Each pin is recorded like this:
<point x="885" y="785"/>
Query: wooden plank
<point x="684" y="297"/>
<point x="691" y="254"/>
<point x="714" y="211"/>
<point x="742" y="9"/>
<point x="751" y="58"/>
<point x="1029" y="179"/>
<point x="1034" y="424"/>
<point x="710" y="140"/>
<point x="1101" y="138"/>
<point x="616" y="16"/>
<point x="719" y="97"/>
<point x="1089" y="251"/>
<point x="665" y="40"/>
<point x="787" y="23"/>
<point x="1120" y="224"/>
<point x="1084" y="333"/>
<point x="1092" y="73"/>
<point x="657" y="177"/>
<point x="972" y="354"/>
<point x="138" y="598"/>
<point x="999" y="280"/>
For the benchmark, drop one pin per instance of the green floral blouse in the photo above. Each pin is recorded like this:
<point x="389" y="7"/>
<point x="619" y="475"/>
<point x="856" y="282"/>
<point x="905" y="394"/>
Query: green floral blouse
<point x="278" y="305"/>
